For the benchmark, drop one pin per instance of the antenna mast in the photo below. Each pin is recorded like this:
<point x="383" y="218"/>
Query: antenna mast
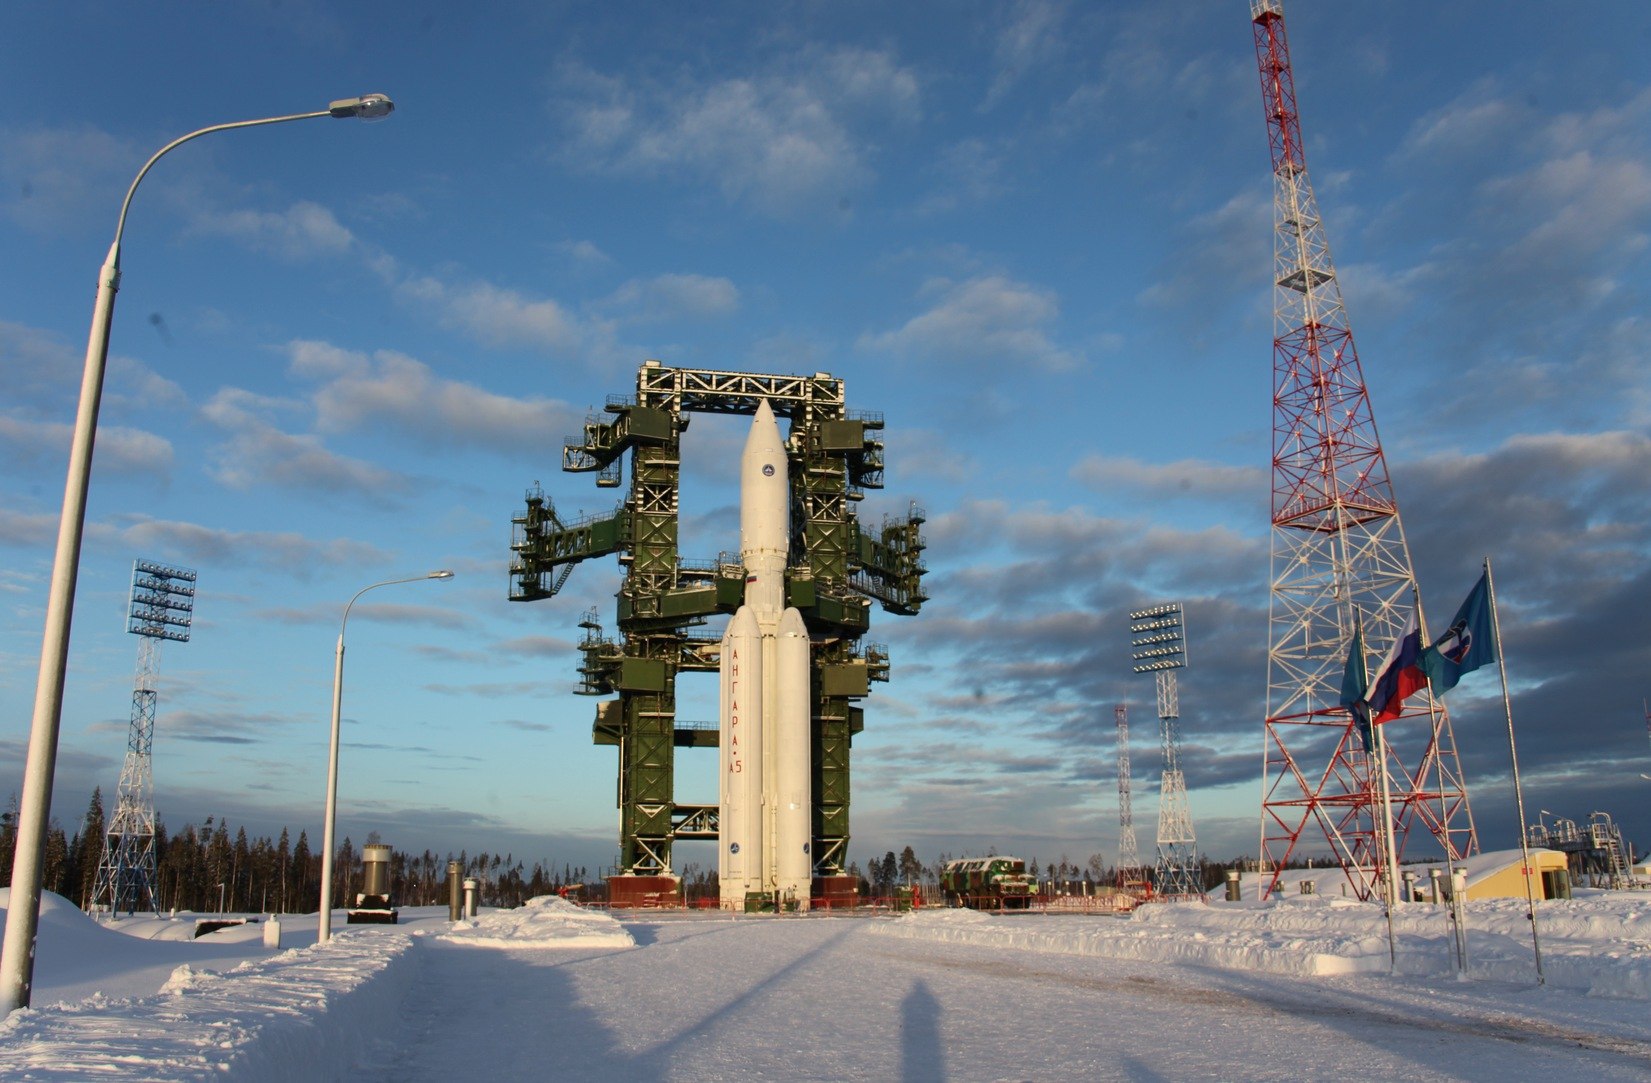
<point x="1129" y="857"/>
<point x="1338" y="550"/>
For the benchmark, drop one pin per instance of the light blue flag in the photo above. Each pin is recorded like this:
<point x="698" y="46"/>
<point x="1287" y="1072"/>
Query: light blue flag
<point x="1469" y="642"/>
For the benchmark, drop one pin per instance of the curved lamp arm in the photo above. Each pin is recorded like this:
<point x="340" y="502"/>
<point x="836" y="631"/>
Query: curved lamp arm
<point x="23" y="915"/>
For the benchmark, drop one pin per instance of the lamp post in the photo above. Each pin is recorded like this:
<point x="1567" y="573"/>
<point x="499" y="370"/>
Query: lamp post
<point x="23" y="914"/>
<point x="324" y="928"/>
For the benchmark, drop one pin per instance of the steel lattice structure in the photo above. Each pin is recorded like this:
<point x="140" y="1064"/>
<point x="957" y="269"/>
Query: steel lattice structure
<point x="162" y="607"/>
<point x="843" y="566"/>
<point x="1129" y="855"/>
<point x="1158" y="639"/>
<point x="1338" y="553"/>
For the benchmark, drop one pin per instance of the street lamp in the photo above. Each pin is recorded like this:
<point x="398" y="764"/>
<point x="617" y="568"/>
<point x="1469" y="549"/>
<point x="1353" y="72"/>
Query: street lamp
<point x="324" y="929"/>
<point x="23" y="913"/>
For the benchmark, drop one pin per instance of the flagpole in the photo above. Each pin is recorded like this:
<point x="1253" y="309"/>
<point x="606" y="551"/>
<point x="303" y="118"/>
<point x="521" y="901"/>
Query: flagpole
<point x="1389" y="859"/>
<point x="1518" y="787"/>
<point x="1385" y="832"/>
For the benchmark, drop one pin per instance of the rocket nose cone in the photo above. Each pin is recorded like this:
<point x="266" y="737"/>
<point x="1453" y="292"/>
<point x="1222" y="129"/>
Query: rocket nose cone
<point x="764" y="437"/>
<point x="791" y="624"/>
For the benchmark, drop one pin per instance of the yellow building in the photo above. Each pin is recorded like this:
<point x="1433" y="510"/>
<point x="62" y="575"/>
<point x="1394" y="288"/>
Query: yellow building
<point x="1490" y="876"/>
<point x="1549" y="867"/>
<point x="1496" y="875"/>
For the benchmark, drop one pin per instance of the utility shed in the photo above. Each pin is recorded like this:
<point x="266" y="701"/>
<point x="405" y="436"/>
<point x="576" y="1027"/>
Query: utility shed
<point x="1496" y="875"/>
<point x="1490" y="876"/>
<point x="1550" y="867"/>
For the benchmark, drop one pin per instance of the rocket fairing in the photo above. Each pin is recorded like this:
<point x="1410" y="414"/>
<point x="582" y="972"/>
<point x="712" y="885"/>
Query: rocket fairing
<point x="764" y="734"/>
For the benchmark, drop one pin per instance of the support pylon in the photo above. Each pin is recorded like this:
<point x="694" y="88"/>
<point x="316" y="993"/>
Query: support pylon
<point x="1338" y="550"/>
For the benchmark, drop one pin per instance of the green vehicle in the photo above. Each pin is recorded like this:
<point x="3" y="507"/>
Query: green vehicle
<point x="987" y="883"/>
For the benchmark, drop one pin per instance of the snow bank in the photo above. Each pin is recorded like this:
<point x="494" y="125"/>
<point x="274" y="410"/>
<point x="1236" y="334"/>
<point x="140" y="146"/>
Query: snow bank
<point x="543" y="922"/>
<point x="1600" y="945"/>
<point x="1171" y="932"/>
<point x="76" y="957"/>
<point x="303" y="1014"/>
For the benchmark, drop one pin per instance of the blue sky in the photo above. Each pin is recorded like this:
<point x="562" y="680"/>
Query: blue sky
<point x="1035" y="235"/>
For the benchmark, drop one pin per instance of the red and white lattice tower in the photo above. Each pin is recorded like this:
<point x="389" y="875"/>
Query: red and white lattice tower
<point x="1338" y="549"/>
<point x="1129" y="856"/>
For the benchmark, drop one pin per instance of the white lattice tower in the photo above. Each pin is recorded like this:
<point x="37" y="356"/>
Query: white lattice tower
<point x="1158" y="646"/>
<point x="1129" y="856"/>
<point x="1178" y="869"/>
<point x="1338" y="550"/>
<point x="162" y="605"/>
<point x="126" y="873"/>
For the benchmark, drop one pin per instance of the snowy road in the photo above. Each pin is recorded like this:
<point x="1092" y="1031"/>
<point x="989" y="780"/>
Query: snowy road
<point x="710" y="998"/>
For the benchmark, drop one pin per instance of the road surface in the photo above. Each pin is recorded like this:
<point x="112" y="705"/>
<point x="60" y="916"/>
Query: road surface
<point x="706" y="997"/>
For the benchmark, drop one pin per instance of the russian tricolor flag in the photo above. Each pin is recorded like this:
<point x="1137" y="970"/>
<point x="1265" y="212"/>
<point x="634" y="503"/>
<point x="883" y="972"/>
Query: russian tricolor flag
<point x="1400" y="675"/>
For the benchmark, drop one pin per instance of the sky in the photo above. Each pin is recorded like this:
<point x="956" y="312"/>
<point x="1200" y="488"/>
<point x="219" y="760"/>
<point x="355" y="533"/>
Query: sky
<point x="1036" y="236"/>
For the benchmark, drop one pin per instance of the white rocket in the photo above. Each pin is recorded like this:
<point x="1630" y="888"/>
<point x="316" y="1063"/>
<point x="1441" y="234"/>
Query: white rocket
<point x="765" y="735"/>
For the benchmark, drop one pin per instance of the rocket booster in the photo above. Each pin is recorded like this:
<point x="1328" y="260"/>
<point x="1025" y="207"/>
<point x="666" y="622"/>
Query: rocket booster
<point x="764" y="740"/>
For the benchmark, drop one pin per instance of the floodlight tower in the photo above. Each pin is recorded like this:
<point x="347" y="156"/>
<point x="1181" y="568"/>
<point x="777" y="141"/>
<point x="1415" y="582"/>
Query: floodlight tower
<point x="1338" y="553"/>
<point x="1129" y="856"/>
<point x="163" y="604"/>
<point x="1159" y="646"/>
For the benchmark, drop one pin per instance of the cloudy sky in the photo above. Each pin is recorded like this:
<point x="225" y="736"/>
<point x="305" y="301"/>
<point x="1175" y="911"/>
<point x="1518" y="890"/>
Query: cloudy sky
<point x="1035" y="235"/>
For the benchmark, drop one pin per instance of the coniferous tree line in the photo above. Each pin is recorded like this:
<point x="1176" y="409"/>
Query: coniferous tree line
<point x="201" y="868"/>
<point x="217" y="867"/>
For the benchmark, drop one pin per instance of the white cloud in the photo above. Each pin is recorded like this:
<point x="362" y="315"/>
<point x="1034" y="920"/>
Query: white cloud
<point x="926" y="453"/>
<point x="302" y="231"/>
<point x="585" y="252"/>
<point x="257" y="453"/>
<point x="496" y="315"/>
<point x="1223" y="250"/>
<point x="27" y="529"/>
<point x="196" y="544"/>
<point x="37" y="363"/>
<point x="1578" y="204"/>
<point x="782" y="140"/>
<point x="119" y="450"/>
<point x="322" y="360"/>
<point x="53" y="178"/>
<point x="676" y="296"/>
<point x="392" y="388"/>
<point x="1559" y="201"/>
<point x="1611" y="130"/>
<point x="1185" y="477"/>
<point x="1479" y="119"/>
<point x="989" y="318"/>
<point x="1030" y="39"/>
<point x="134" y="385"/>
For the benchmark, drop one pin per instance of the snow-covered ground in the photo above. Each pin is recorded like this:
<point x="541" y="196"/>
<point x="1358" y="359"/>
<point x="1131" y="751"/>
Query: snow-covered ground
<point x="1296" y="990"/>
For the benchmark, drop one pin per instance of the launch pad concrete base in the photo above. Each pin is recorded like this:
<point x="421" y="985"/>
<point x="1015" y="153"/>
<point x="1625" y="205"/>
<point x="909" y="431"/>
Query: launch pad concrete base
<point x="639" y="892"/>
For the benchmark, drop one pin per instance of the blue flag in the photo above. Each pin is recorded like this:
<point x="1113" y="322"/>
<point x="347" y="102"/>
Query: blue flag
<point x="1353" y="686"/>
<point x="1469" y="642"/>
